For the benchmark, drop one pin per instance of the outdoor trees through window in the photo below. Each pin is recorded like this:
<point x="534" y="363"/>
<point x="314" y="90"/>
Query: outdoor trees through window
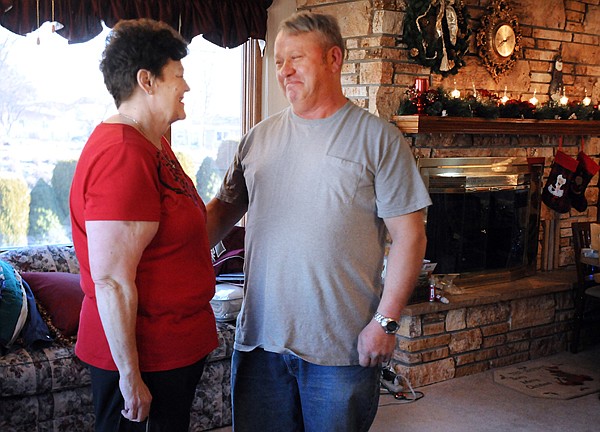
<point x="52" y="96"/>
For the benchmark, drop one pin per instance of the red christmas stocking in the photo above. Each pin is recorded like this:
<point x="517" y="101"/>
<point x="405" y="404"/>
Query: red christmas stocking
<point x="586" y="169"/>
<point x="556" y="191"/>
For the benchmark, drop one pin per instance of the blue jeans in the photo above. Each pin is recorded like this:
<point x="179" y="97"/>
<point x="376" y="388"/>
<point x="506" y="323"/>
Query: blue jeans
<point x="281" y="392"/>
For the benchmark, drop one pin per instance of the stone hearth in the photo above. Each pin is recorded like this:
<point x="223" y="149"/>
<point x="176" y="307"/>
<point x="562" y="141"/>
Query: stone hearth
<point x="484" y="328"/>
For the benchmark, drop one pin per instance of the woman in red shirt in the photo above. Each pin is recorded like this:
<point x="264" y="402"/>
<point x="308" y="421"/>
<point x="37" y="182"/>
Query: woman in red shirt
<point x="139" y="230"/>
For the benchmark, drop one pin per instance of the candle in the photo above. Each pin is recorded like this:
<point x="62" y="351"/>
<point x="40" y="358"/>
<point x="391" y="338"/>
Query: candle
<point x="564" y="100"/>
<point x="533" y="100"/>
<point x="504" y="98"/>
<point x="455" y="93"/>
<point x="421" y="85"/>
<point x="586" y="100"/>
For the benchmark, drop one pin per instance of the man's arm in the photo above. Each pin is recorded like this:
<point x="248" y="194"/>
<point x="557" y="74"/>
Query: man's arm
<point x="404" y="263"/>
<point x="222" y="216"/>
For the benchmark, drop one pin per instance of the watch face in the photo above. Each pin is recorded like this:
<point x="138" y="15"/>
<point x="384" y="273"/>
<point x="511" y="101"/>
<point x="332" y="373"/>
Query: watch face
<point x="392" y="327"/>
<point x="504" y="40"/>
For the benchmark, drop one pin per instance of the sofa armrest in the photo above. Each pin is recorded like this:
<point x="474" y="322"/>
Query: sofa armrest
<point x="226" y="335"/>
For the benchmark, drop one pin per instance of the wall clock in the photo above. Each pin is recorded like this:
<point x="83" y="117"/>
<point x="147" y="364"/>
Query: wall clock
<point x="499" y="39"/>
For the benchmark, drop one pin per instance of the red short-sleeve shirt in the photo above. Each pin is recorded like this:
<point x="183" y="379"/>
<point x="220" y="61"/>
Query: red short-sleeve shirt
<point x="122" y="176"/>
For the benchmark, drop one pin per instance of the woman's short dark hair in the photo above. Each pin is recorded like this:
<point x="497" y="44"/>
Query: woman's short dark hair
<point x="138" y="44"/>
<point x="307" y="22"/>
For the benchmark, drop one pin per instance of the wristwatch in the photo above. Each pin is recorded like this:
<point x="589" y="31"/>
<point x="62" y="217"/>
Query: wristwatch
<point x="390" y="325"/>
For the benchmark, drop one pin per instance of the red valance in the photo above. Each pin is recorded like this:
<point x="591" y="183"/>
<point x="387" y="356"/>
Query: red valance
<point x="227" y="23"/>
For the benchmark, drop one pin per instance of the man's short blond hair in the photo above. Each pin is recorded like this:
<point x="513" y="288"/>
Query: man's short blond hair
<point x="307" y="22"/>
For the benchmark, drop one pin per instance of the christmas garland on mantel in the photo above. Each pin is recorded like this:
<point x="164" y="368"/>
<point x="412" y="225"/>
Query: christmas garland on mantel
<point x="437" y="34"/>
<point x="485" y="104"/>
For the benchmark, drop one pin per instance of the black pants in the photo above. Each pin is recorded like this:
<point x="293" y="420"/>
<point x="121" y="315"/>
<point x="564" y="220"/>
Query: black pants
<point x="172" y="393"/>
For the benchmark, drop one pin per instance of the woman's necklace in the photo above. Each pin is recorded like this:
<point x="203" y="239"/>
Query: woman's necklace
<point x="138" y="124"/>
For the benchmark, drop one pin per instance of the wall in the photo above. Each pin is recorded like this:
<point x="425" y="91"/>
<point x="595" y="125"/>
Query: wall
<point x="378" y="70"/>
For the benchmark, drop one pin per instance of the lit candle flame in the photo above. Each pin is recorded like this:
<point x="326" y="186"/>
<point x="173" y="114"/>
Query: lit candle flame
<point x="564" y="99"/>
<point x="586" y="100"/>
<point x="534" y="101"/>
<point x="504" y="98"/>
<point x="455" y="93"/>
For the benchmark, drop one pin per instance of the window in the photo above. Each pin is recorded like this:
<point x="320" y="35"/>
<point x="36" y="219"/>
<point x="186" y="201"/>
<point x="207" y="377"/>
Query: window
<point x="52" y="96"/>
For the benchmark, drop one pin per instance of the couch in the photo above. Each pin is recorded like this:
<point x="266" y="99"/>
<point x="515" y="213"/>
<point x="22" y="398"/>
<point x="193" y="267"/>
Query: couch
<point x="47" y="388"/>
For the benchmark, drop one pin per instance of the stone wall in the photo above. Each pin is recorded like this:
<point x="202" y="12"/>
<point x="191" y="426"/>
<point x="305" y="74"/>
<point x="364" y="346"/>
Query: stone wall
<point x="378" y="67"/>
<point x="475" y="332"/>
<point x="378" y="70"/>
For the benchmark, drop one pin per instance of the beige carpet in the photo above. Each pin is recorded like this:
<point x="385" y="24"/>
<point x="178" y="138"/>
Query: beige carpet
<point x="477" y="403"/>
<point x="549" y="379"/>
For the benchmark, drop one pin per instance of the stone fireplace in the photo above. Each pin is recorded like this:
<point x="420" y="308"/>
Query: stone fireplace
<point x="502" y="315"/>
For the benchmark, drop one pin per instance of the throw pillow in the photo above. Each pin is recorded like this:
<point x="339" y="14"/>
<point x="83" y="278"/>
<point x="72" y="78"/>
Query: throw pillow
<point x="35" y="332"/>
<point x="60" y="295"/>
<point x="13" y="305"/>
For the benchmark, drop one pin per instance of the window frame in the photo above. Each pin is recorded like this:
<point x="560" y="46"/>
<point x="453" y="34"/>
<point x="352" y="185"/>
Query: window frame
<point x="252" y="65"/>
<point x="251" y="97"/>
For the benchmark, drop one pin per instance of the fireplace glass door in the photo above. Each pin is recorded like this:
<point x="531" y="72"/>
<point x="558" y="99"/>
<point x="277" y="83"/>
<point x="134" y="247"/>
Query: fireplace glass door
<point x="484" y="220"/>
<point x="479" y="230"/>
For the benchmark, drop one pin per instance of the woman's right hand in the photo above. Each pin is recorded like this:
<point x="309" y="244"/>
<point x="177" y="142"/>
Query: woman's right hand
<point x="137" y="398"/>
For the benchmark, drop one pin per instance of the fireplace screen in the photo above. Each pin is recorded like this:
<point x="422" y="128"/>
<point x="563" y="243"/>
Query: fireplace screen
<point x="484" y="220"/>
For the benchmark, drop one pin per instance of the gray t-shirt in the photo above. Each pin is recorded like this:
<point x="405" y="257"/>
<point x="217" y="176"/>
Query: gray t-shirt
<point x="317" y="191"/>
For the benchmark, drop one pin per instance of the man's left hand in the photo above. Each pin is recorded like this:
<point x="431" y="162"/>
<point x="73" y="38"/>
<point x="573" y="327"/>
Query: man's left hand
<point x="375" y="346"/>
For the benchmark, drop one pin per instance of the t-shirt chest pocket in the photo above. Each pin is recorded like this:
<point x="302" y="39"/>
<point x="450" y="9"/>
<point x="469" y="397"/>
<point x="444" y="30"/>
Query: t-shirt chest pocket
<point x="342" y="178"/>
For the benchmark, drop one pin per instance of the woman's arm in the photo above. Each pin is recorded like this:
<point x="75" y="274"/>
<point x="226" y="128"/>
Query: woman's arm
<point x="115" y="249"/>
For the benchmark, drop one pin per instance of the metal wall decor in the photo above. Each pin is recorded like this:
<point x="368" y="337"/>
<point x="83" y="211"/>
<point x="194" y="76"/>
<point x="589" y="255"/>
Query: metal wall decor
<point x="437" y="33"/>
<point x="499" y="39"/>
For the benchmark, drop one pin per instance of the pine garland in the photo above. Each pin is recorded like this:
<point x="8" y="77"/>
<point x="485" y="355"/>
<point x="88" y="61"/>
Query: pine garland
<point x="438" y="102"/>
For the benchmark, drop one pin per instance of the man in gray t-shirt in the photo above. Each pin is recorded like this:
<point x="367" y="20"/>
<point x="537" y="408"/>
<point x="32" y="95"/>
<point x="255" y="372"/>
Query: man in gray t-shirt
<point x="322" y="181"/>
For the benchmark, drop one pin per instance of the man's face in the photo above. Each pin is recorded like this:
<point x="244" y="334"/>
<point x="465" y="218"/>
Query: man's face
<point x="303" y="69"/>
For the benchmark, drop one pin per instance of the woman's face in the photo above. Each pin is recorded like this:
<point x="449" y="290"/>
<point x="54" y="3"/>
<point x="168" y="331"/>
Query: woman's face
<point x="169" y="90"/>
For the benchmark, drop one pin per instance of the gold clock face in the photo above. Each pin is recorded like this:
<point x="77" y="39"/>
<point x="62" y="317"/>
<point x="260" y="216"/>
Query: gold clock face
<point x="504" y="40"/>
<point x="499" y="38"/>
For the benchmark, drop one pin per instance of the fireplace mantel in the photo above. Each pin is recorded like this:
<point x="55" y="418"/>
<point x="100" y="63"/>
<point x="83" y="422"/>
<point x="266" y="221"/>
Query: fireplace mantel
<point x="417" y="124"/>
